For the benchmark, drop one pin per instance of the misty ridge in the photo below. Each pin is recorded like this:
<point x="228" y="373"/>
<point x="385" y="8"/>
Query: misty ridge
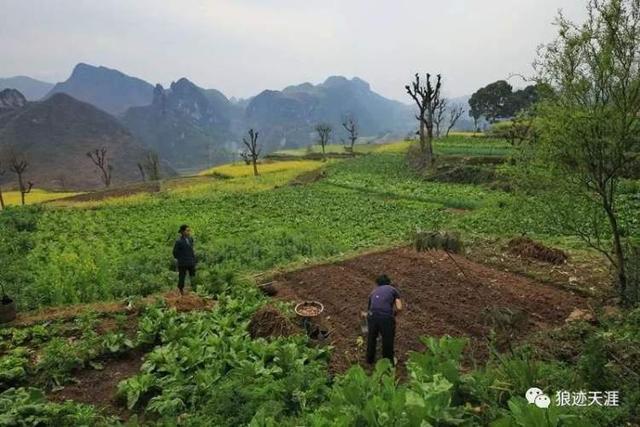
<point x="188" y="126"/>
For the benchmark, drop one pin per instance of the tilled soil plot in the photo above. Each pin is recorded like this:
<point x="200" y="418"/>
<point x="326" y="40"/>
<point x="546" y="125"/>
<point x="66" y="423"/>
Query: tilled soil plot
<point x="99" y="387"/>
<point x="439" y="300"/>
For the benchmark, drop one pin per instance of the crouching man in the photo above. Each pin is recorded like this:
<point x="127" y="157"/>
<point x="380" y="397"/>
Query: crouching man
<point x="384" y="304"/>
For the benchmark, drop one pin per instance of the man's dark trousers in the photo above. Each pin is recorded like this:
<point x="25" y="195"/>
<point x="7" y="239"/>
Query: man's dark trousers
<point x="182" y="273"/>
<point x="385" y="326"/>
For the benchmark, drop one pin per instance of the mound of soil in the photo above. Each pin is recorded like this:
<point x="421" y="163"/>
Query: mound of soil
<point x="525" y="247"/>
<point x="439" y="300"/>
<point x="269" y="322"/>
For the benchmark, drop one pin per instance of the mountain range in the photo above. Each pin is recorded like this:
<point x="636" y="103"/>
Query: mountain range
<point x="56" y="134"/>
<point x="192" y="127"/>
<point x="110" y="90"/>
<point x="32" y="89"/>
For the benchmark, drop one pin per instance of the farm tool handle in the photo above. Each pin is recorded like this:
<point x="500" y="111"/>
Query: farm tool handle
<point x="456" y="263"/>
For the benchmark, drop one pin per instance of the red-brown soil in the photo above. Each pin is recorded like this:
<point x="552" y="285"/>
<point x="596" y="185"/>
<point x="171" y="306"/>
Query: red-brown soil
<point x="99" y="387"/>
<point x="187" y="302"/>
<point x="439" y="299"/>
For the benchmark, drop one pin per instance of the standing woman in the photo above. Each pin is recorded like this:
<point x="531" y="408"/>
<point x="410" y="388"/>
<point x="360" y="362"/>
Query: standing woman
<point x="185" y="256"/>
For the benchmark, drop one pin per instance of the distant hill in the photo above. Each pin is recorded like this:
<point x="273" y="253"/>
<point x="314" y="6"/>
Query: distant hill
<point x="189" y="126"/>
<point x="32" y="89"/>
<point x="54" y="136"/>
<point x="110" y="90"/>
<point x="286" y="118"/>
<point x="10" y="100"/>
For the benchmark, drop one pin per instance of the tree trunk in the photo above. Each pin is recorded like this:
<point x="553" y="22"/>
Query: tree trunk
<point x="621" y="274"/>
<point x="107" y="178"/>
<point x="1" y="200"/>
<point x="422" y="137"/>
<point x="429" y="147"/>
<point x="255" y="167"/>
<point x="21" y="184"/>
<point x="324" y="155"/>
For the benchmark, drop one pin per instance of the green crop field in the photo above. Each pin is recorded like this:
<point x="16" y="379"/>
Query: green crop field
<point x="122" y="247"/>
<point x="203" y="367"/>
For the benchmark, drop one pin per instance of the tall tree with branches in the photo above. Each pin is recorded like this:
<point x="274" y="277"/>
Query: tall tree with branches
<point x="440" y="116"/>
<point x="427" y="98"/>
<point x="100" y="159"/>
<point x="455" y="113"/>
<point x="590" y="120"/>
<point x="19" y="166"/>
<point x="253" y="150"/>
<point x="350" y="124"/>
<point x="324" y="136"/>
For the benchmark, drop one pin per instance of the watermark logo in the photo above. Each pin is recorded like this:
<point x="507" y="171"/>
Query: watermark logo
<point x="537" y="397"/>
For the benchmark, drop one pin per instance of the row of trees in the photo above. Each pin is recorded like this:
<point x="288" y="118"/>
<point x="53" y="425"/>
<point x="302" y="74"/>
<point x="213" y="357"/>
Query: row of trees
<point x="251" y="153"/>
<point x="149" y="169"/>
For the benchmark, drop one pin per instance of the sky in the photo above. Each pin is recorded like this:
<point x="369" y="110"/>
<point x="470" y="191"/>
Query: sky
<point x="242" y="47"/>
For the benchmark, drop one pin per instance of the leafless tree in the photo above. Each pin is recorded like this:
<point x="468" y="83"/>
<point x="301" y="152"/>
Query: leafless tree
<point x="427" y="99"/>
<point x="19" y="167"/>
<point x="142" y="173"/>
<point x="253" y="151"/>
<point x="455" y="113"/>
<point x="2" y="172"/>
<point x="350" y="124"/>
<point x="152" y="166"/>
<point x="246" y="157"/>
<point x="324" y="135"/>
<point x="99" y="158"/>
<point x="439" y="116"/>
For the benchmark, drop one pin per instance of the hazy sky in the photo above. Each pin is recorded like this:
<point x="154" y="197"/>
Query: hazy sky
<point x="244" y="46"/>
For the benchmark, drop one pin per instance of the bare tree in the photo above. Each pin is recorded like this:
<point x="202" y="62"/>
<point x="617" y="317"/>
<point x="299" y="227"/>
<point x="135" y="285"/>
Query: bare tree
<point x="427" y="98"/>
<point x="439" y="117"/>
<point x="455" y="113"/>
<point x="2" y="172"/>
<point x="19" y="167"/>
<point x="99" y="158"/>
<point x="253" y="151"/>
<point x="152" y="166"/>
<point x="141" y="169"/>
<point x="350" y="124"/>
<point x="324" y="135"/>
<point x="246" y="157"/>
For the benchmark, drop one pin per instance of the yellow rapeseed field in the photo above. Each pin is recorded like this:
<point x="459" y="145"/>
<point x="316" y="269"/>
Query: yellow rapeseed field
<point x="35" y="196"/>
<point x="241" y="169"/>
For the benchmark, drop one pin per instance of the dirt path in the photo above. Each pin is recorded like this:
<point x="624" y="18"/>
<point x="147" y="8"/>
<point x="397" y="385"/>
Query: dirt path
<point x="439" y="299"/>
<point x="189" y="301"/>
